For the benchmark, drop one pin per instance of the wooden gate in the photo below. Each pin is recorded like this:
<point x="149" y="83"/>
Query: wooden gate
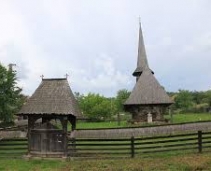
<point x="47" y="142"/>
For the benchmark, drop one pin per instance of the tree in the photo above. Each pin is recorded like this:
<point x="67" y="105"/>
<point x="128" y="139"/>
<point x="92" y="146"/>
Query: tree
<point x="198" y="97"/>
<point x="11" y="98"/>
<point x="95" y="106"/>
<point x="209" y="97"/>
<point x="121" y="97"/>
<point x="184" y="100"/>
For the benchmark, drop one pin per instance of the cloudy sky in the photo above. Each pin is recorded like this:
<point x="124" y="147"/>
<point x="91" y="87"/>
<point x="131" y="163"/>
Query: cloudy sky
<point x="95" y="42"/>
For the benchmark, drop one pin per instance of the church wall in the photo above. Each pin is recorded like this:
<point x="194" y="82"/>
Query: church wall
<point x="139" y="114"/>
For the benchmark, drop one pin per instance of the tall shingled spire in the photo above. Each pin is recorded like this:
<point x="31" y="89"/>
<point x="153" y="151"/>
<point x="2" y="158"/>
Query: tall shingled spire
<point x="147" y="89"/>
<point x="142" y="62"/>
<point x="148" y="98"/>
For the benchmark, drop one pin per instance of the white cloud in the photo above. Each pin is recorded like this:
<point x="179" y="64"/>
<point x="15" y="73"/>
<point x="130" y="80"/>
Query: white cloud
<point x="166" y="41"/>
<point x="205" y="41"/>
<point x="201" y="43"/>
<point x="103" y="77"/>
<point x="95" y="42"/>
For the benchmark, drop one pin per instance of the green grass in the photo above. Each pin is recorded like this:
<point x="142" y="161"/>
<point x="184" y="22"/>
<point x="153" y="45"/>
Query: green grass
<point x="190" y="117"/>
<point x="35" y="165"/>
<point x="186" y="162"/>
<point x="177" y="118"/>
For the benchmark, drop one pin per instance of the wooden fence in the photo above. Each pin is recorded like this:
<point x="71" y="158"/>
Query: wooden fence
<point x="13" y="148"/>
<point x="131" y="147"/>
<point x="128" y="147"/>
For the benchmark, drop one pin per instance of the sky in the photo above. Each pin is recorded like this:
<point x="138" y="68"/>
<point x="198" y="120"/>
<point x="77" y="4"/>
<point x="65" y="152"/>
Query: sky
<point x="95" y="42"/>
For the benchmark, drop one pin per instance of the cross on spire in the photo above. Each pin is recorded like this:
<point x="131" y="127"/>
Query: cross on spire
<point x="11" y="66"/>
<point x="42" y="76"/>
<point x="66" y="75"/>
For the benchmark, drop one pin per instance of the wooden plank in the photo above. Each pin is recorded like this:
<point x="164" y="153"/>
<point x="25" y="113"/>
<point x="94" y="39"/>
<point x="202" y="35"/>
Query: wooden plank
<point x="103" y="149"/>
<point x="169" y="150"/>
<point x="206" y="146"/>
<point x="123" y="144"/>
<point x="4" y="144"/>
<point x="13" y="139"/>
<point x="94" y="140"/>
<point x="165" y="141"/>
<point x="206" y="142"/>
<point x="100" y="153"/>
<point x="206" y="133"/>
<point x="166" y="146"/>
<point x="12" y="152"/>
<point x="204" y="138"/>
<point x="14" y="148"/>
<point x="169" y="136"/>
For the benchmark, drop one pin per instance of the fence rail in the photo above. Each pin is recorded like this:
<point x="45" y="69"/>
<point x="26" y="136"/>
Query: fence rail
<point x="131" y="147"/>
<point x="120" y="147"/>
<point x="13" y="148"/>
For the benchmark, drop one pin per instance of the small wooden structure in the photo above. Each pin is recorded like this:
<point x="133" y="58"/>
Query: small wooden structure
<point x="53" y="102"/>
<point x="148" y="97"/>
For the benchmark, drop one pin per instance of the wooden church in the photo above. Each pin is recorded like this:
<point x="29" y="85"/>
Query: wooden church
<point x="148" y="100"/>
<point x="54" y="104"/>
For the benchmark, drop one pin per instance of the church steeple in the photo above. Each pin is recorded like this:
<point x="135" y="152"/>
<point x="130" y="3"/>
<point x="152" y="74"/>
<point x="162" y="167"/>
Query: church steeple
<point x="147" y="96"/>
<point x="142" y="63"/>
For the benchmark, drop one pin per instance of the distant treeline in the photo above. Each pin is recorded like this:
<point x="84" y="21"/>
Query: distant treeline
<point x="99" y="107"/>
<point x="191" y="101"/>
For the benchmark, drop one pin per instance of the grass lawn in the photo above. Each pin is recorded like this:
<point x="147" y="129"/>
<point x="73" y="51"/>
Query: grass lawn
<point x="171" y="163"/>
<point x="177" y="118"/>
<point x="190" y="117"/>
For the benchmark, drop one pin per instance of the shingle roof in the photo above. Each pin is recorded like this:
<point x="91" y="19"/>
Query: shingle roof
<point x="53" y="96"/>
<point x="148" y="91"/>
<point x="142" y="62"/>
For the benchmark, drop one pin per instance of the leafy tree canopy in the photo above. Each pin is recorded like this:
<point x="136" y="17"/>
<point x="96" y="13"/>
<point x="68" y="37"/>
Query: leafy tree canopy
<point x="11" y="98"/>
<point x="94" y="106"/>
<point x="122" y="96"/>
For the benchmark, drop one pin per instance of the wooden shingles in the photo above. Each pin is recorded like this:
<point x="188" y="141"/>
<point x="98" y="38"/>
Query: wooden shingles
<point x="53" y="96"/>
<point x="142" y="62"/>
<point x="148" y="91"/>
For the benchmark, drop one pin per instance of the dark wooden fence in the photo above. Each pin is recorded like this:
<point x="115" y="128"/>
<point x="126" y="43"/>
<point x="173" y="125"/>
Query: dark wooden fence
<point x="128" y="147"/>
<point x="13" y="148"/>
<point x="132" y="147"/>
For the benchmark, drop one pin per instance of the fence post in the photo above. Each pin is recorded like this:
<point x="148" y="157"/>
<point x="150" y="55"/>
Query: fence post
<point x="73" y="147"/>
<point x="199" y="141"/>
<point x="132" y="147"/>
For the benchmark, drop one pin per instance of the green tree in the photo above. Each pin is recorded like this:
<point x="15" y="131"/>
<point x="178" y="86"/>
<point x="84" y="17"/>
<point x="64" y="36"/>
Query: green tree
<point x="207" y="98"/>
<point x="198" y="96"/>
<point x="184" y="100"/>
<point x="95" y="106"/>
<point x="121" y="97"/>
<point x="11" y="98"/>
<point x="78" y="97"/>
